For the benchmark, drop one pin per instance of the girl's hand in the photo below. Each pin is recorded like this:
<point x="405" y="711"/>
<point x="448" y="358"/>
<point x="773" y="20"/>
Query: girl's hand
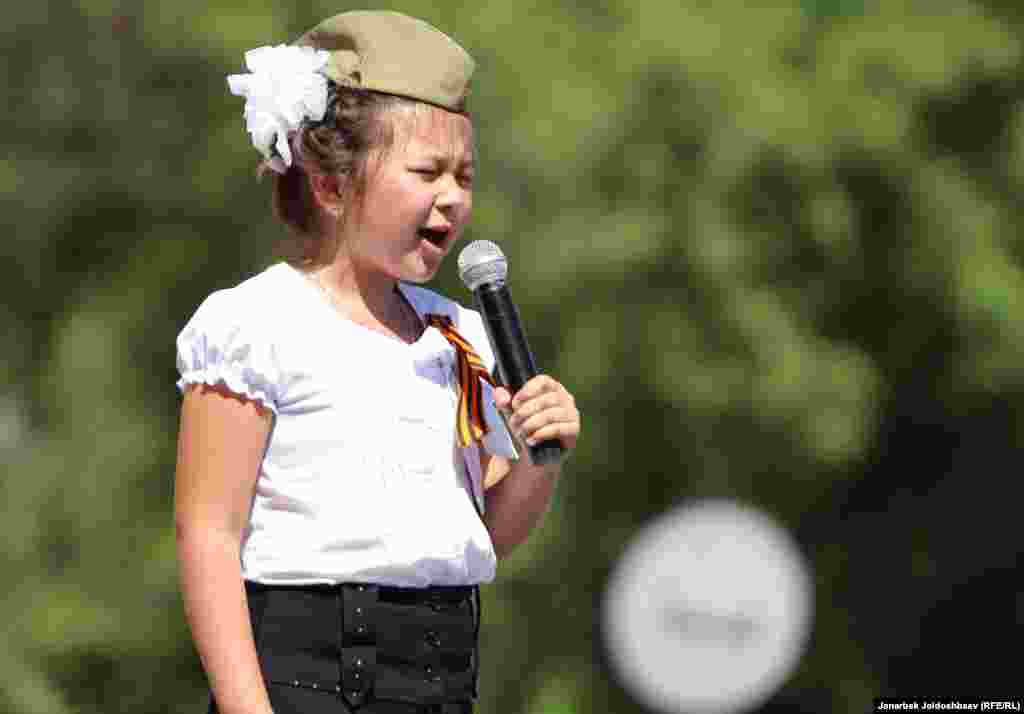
<point x="543" y="409"/>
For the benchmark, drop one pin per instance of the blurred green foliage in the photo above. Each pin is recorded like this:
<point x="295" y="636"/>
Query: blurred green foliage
<point x="774" y="250"/>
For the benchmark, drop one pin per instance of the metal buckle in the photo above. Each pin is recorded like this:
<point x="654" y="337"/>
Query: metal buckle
<point x="358" y="642"/>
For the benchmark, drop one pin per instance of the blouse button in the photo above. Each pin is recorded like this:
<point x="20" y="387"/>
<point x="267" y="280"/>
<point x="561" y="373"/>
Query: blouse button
<point x="432" y="638"/>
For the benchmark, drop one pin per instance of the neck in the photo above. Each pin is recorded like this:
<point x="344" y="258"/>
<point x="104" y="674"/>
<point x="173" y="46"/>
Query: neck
<point x="363" y="294"/>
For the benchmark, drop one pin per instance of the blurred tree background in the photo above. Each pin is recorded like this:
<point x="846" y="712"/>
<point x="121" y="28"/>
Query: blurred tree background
<point x="773" y="248"/>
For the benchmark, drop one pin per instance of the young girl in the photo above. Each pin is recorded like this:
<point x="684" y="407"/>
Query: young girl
<point x="332" y="521"/>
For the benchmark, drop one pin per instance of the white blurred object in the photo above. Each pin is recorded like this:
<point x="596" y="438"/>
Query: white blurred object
<point x="708" y="610"/>
<point x="285" y="84"/>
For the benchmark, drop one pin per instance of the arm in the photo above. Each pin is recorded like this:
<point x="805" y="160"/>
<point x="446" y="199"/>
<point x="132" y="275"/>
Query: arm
<point x="517" y="503"/>
<point x="220" y="446"/>
<point x="522" y="492"/>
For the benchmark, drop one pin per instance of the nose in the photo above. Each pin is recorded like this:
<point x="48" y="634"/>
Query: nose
<point x="453" y="196"/>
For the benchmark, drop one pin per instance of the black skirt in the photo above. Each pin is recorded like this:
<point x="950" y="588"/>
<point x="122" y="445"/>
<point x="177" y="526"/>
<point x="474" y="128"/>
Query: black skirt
<point x="365" y="648"/>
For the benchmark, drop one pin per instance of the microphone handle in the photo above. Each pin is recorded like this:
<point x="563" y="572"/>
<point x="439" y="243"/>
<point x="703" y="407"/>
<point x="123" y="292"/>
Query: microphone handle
<point x="512" y="353"/>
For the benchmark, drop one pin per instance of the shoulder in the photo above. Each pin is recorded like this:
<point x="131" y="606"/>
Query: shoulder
<point x="250" y="303"/>
<point x="273" y="287"/>
<point x="233" y="338"/>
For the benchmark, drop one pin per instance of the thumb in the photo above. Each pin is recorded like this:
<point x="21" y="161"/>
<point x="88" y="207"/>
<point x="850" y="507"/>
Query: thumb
<point x="502" y="398"/>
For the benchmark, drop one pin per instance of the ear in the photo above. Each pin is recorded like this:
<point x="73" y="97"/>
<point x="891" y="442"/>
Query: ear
<point x="326" y="190"/>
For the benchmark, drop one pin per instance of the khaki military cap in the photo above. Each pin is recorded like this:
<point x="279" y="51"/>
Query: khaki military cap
<point x="395" y="54"/>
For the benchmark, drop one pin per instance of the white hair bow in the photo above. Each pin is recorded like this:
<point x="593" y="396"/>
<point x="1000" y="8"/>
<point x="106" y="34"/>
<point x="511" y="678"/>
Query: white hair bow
<point x="285" y="85"/>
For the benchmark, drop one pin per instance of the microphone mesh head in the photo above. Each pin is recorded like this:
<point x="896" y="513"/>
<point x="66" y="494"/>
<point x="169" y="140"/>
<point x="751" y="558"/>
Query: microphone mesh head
<point x="482" y="262"/>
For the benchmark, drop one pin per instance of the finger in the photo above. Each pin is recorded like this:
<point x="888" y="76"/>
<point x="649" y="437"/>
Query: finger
<point x="565" y="432"/>
<point x="538" y="385"/>
<point x="547" y="400"/>
<point x="554" y="416"/>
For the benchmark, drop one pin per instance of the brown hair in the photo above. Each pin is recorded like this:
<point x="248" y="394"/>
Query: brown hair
<point x="354" y="124"/>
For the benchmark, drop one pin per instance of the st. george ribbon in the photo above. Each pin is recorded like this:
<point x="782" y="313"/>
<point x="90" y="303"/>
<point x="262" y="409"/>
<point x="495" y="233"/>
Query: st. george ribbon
<point x="483" y="268"/>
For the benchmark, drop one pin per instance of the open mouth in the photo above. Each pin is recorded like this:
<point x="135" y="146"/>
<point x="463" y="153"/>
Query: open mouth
<point x="433" y="236"/>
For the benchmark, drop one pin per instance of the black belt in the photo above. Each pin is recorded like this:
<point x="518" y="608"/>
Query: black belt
<point x="435" y="593"/>
<point x="404" y="644"/>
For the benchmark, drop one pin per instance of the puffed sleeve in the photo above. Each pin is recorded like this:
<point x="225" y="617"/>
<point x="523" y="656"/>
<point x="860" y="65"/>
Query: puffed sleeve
<point x="223" y="344"/>
<point x="497" y="441"/>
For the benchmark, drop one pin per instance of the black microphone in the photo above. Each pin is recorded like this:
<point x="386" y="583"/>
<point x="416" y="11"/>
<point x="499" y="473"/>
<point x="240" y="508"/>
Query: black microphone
<point x="483" y="268"/>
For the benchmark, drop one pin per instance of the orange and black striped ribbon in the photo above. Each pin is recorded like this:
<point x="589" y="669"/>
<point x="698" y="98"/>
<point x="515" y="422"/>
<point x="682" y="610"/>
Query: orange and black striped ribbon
<point x="469" y="421"/>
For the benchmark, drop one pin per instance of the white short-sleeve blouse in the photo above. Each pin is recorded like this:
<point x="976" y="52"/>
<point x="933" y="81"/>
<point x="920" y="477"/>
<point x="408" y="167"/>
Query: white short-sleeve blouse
<point x="362" y="479"/>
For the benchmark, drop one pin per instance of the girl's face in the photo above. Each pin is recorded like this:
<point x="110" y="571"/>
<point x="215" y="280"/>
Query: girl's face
<point x="418" y="198"/>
